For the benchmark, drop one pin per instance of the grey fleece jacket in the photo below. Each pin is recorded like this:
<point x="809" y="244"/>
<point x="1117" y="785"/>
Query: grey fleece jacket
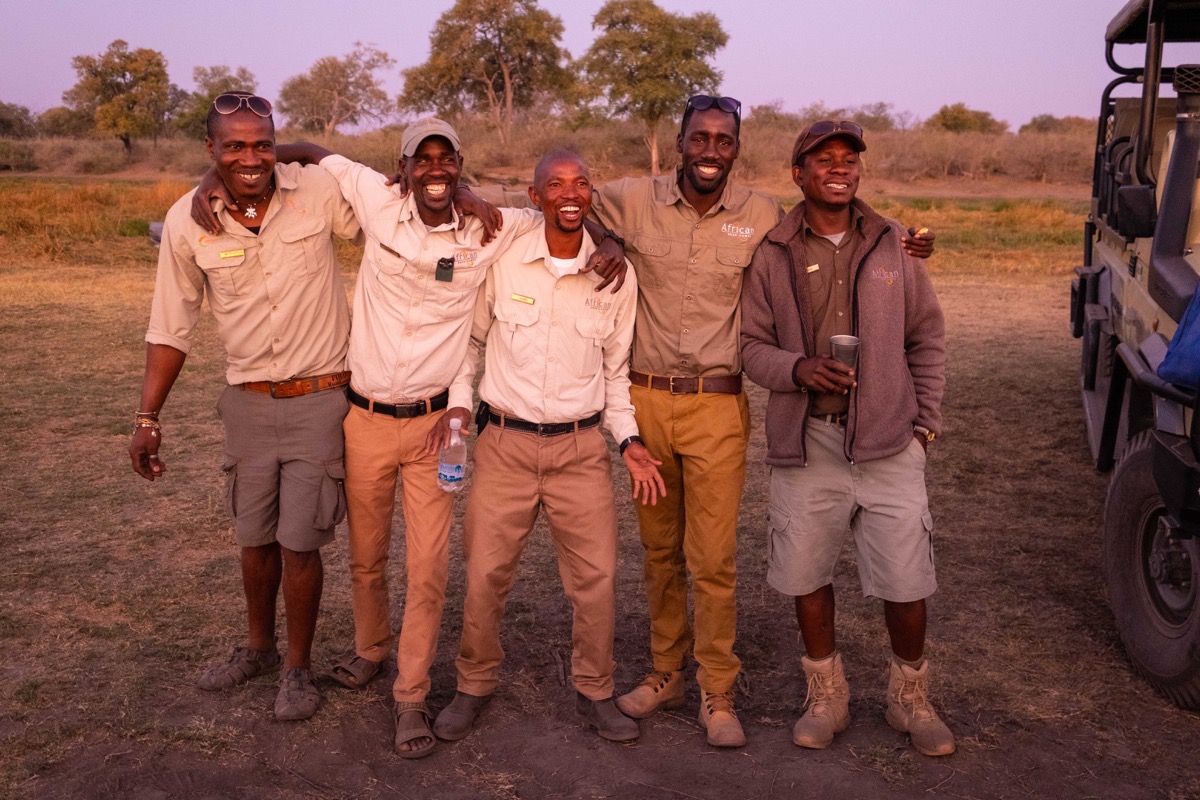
<point x="901" y="362"/>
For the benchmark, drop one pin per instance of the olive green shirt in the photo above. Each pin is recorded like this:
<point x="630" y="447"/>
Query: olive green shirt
<point x="831" y="289"/>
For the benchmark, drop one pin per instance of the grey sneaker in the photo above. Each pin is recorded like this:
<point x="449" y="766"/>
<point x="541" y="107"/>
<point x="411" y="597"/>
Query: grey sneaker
<point x="298" y="696"/>
<point x="242" y="665"/>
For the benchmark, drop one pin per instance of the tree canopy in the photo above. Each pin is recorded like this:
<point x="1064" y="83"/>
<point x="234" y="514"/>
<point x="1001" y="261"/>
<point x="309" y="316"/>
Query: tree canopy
<point x="210" y="82"/>
<point x="338" y="91"/>
<point x="958" y="118"/>
<point x="490" y="55"/>
<point x="1048" y="123"/>
<point x="16" y="122"/>
<point x="125" y="91"/>
<point x="646" y="62"/>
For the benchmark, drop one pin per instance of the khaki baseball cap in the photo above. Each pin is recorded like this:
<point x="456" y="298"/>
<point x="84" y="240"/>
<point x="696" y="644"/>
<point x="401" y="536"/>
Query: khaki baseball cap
<point x="422" y="129"/>
<point x="812" y="136"/>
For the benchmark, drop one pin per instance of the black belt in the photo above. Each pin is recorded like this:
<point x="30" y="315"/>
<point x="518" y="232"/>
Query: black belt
<point x="833" y="419"/>
<point x="404" y="410"/>
<point x="543" y="428"/>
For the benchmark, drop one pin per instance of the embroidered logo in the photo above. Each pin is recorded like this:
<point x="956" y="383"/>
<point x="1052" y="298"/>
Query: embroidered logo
<point x="466" y="258"/>
<point x="598" y="304"/>
<point x="888" y="276"/>
<point x="742" y="234"/>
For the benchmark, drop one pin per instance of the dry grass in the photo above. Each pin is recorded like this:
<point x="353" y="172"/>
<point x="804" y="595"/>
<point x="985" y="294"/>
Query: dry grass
<point x="113" y="592"/>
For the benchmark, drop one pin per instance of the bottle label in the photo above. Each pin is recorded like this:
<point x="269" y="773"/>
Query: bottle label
<point x="452" y="473"/>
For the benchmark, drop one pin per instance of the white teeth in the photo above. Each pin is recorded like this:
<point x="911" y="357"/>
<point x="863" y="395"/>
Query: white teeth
<point x="569" y="209"/>
<point x="708" y="170"/>
<point x="249" y="176"/>
<point x="437" y="189"/>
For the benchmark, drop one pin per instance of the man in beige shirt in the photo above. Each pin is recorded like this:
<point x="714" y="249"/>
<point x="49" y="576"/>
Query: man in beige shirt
<point x="272" y="281"/>
<point x="557" y="356"/>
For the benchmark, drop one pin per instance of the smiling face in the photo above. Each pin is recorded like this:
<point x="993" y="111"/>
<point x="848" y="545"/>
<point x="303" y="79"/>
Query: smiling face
<point x="709" y="146"/>
<point x="562" y="189"/>
<point x="433" y="172"/>
<point x="828" y="175"/>
<point x="243" y="148"/>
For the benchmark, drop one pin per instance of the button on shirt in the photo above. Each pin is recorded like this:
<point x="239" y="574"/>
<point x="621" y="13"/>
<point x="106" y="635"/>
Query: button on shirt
<point x="556" y="349"/>
<point x="689" y="267"/>
<point x="278" y="297"/>
<point x="411" y="330"/>
<point x="830" y="286"/>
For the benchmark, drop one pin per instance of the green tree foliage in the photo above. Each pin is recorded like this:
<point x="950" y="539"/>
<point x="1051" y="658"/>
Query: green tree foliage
<point x="958" y="118"/>
<point x="210" y="82"/>
<point x="1048" y="123"/>
<point x="16" y="122"/>
<point x="646" y="62"/>
<point x="65" y="122"/>
<point x="337" y="91"/>
<point x="125" y="91"/>
<point x="494" y="56"/>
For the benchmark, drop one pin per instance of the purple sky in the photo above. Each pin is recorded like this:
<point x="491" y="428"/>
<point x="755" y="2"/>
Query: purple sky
<point x="1015" y="59"/>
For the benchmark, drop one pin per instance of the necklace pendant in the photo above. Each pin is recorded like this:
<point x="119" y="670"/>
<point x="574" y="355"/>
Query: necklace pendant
<point x="251" y="212"/>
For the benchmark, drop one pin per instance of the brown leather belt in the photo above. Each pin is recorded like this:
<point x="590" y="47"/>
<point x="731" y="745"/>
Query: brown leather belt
<point x="403" y="410"/>
<point x="298" y="386"/>
<point x="676" y="384"/>
<point x="543" y="428"/>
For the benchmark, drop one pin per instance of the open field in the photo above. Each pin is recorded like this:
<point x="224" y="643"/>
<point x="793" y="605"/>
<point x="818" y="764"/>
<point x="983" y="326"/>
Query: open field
<point x="114" y="592"/>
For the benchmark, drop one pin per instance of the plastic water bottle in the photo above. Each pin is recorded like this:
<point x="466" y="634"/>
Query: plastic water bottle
<point x="452" y="463"/>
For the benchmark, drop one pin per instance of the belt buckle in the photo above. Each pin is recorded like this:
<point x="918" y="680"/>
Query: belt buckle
<point x="671" y="385"/>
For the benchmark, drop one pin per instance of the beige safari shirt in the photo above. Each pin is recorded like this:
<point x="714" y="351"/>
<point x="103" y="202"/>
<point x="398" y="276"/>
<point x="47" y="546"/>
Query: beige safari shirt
<point x="277" y="297"/>
<point x="689" y="268"/>
<point x="557" y="350"/>
<point x="411" y="330"/>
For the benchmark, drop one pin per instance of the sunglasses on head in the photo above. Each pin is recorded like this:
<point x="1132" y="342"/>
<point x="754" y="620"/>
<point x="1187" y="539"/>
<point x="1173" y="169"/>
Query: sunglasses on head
<point x="703" y="102"/>
<point x="231" y="102"/>
<point x="828" y="126"/>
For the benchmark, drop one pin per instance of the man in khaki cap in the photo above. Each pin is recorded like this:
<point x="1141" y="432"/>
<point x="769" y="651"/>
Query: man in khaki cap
<point x="855" y="463"/>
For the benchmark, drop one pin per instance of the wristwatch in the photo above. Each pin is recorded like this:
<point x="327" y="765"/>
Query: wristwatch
<point x="628" y="441"/>
<point x="921" y="430"/>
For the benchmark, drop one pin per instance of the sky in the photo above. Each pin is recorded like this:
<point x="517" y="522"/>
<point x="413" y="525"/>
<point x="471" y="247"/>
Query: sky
<point x="1015" y="59"/>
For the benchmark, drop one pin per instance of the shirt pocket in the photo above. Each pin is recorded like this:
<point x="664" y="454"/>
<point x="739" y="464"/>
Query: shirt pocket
<point x="589" y="352"/>
<point x="392" y="270"/>
<point x="518" y="330"/>
<point x="226" y="271"/>
<point x="306" y="241"/>
<point x="731" y="266"/>
<point x="654" y="258"/>
<point x="455" y="299"/>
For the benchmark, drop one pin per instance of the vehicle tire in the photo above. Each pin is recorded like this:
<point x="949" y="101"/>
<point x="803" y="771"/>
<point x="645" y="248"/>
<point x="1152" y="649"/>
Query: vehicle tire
<point x="1159" y="622"/>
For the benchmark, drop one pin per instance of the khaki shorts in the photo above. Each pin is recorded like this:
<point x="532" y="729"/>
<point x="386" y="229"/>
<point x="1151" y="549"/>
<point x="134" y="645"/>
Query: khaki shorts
<point x="882" y="502"/>
<point x="284" y="467"/>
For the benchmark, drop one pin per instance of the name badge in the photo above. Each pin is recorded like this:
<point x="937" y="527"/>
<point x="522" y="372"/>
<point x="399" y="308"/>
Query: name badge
<point x="812" y="268"/>
<point x="232" y="253"/>
<point x="520" y="298"/>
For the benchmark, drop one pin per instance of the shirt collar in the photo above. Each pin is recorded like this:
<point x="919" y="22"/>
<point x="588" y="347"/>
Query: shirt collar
<point x="674" y="195"/>
<point x="856" y="219"/>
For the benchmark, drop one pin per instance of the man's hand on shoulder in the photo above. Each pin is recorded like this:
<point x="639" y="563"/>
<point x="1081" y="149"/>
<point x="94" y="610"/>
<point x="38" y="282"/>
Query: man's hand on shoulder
<point x="608" y="261"/>
<point x="211" y="188"/>
<point x="467" y="203"/>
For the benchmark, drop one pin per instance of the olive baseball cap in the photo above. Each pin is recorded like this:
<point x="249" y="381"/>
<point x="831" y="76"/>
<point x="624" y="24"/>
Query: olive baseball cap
<point x="422" y="129"/>
<point x="813" y="135"/>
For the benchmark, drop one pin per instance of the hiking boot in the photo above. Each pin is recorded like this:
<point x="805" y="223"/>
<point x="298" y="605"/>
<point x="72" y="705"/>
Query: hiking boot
<point x="657" y="690"/>
<point x="828" y="703"/>
<point x="242" y="665"/>
<point x="603" y="715"/>
<point x="457" y="719"/>
<point x="719" y="719"/>
<point x="298" y="696"/>
<point x="909" y="710"/>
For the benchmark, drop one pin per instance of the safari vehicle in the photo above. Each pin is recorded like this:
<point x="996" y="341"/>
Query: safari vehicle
<point x="1139" y="273"/>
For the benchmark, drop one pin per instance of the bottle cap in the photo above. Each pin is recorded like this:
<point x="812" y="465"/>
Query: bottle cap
<point x="456" y="424"/>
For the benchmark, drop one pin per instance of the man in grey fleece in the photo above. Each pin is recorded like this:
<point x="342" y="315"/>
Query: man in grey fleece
<point x="857" y="463"/>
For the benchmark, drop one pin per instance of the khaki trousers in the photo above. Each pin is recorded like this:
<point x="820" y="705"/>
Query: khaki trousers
<point x="701" y="440"/>
<point x="570" y="478"/>
<point x="380" y="449"/>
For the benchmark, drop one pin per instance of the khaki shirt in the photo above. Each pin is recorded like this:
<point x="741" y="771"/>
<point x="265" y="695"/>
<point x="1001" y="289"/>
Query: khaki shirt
<point x="689" y="268"/>
<point x="831" y="292"/>
<point x="411" y="330"/>
<point x="556" y="349"/>
<point x="278" y="298"/>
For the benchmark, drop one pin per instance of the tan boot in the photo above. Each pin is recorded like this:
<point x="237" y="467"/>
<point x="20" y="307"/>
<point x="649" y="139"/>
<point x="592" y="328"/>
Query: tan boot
<point x="909" y="710"/>
<point x="720" y="720"/>
<point x="657" y="690"/>
<point x="828" y="703"/>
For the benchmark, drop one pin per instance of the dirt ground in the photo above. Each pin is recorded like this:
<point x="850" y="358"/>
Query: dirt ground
<point x="1029" y="672"/>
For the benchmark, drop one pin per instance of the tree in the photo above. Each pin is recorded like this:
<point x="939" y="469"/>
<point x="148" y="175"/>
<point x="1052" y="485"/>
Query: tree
<point x="66" y="122"/>
<point x="210" y="82"/>
<point x="337" y="91"/>
<point x="958" y="118"/>
<point x="647" y="62"/>
<point x="491" y="55"/>
<point x="16" y="122"/>
<point x="1048" y="123"/>
<point x="126" y="92"/>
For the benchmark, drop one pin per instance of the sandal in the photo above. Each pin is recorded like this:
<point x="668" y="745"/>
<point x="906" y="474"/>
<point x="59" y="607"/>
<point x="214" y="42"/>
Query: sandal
<point x="354" y="672"/>
<point x="414" y="732"/>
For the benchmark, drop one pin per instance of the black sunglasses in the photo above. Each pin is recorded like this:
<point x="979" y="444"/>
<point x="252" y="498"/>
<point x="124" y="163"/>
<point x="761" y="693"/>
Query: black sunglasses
<point x="828" y="126"/>
<point x="230" y="102"/>
<point x="703" y="102"/>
